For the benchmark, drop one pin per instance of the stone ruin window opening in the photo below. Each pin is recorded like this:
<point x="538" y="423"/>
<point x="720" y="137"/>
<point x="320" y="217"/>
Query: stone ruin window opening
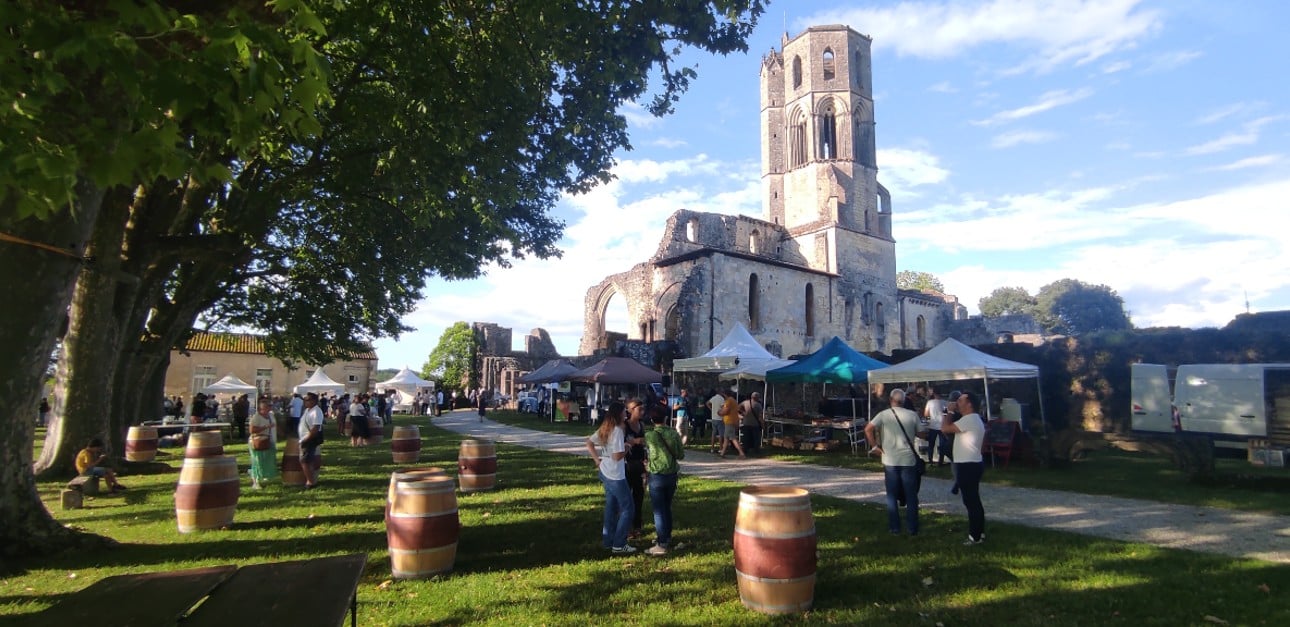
<point x="797" y="141"/>
<point x="809" y="316"/>
<point x="878" y="317"/>
<point x="754" y="302"/>
<point x="922" y="332"/>
<point x="827" y="63"/>
<point x="828" y="132"/>
<point x="797" y="72"/>
<point x="692" y="230"/>
<point x="753" y="247"/>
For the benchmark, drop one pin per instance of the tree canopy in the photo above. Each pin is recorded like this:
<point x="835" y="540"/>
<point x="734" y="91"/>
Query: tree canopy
<point x="1067" y="306"/>
<point x="1007" y="301"/>
<point x="916" y="280"/>
<point x="1074" y="307"/>
<point x="452" y="361"/>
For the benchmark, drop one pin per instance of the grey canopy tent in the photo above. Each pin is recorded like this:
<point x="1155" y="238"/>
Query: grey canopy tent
<point x="550" y="372"/>
<point x="953" y="360"/>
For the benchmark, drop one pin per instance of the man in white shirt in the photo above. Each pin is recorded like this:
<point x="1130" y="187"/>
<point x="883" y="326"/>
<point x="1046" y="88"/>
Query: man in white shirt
<point x="311" y="437"/>
<point x="968" y="463"/>
<point x="898" y="427"/>
<point x="718" y="427"/>
<point x="297" y="406"/>
<point x="934" y="411"/>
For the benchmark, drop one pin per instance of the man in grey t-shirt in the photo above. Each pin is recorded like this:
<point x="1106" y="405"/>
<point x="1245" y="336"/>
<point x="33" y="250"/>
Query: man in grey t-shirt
<point x="898" y="428"/>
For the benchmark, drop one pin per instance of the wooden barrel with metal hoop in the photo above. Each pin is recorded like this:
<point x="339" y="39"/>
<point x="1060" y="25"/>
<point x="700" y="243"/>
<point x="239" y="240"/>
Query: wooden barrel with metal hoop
<point x="292" y="473"/>
<point x="204" y="444"/>
<point x="206" y="496"/>
<point x="406" y="444"/>
<point x="477" y="465"/>
<point x="775" y="549"/>
<point x="410" y="474"/>
<point x="422" y="526"/>
<point x="141" y="444"/>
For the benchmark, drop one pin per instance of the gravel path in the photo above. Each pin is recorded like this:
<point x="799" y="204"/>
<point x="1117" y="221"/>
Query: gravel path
<point x="1204" y="529"/>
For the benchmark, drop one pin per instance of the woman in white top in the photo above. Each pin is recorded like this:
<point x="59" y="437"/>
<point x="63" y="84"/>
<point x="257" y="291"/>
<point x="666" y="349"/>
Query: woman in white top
<point x="968" y="465"/>
<point x="607" y="448"/>
<point x="934" y="411"/>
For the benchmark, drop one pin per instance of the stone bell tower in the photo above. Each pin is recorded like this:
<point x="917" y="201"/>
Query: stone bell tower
<point x="819" y="168"/>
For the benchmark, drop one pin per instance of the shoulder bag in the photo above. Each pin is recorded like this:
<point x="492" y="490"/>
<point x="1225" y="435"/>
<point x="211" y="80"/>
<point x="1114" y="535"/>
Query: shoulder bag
<point x="920" y="466"/>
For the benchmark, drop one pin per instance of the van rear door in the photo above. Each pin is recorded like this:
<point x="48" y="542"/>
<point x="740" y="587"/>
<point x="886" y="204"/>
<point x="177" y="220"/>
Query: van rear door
<point x="1222" y="399"/>
<point x="1149" y="394"/>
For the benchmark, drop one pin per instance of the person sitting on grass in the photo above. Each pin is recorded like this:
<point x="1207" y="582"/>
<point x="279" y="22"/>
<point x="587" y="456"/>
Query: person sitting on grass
<point x="87" y="464"/>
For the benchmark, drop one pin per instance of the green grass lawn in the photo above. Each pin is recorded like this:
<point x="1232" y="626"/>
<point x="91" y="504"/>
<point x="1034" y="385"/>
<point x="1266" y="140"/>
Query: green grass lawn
<point x="1239" y="485"/>
<point x="530" y="554"/>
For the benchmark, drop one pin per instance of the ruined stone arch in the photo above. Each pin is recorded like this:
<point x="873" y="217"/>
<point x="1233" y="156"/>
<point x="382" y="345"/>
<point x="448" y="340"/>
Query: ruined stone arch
<point x="796" y="138"/>
<point x="668" y="301"/>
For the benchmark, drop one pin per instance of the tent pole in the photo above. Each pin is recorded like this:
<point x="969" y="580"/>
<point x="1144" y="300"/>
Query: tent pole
<point x="1043" y="420"/>
<point x="986" y="379"/>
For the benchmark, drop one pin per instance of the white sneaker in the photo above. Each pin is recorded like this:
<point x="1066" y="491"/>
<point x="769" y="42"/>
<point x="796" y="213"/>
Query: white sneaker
<point x="656" y="550"/>
<point x="255" y="486"/>
<point x="971" y="542"/>
<point x="626" y="549"/>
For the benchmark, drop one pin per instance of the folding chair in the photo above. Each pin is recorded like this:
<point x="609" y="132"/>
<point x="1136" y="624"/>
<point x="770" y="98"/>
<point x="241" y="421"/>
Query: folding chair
<point x="855" y="435"/>
<point x="1000" y="437"/>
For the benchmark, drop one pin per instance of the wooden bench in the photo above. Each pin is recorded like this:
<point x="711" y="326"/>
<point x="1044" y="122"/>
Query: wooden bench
<point x="306" y="592"/>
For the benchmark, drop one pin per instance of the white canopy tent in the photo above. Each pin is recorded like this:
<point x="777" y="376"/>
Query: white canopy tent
<point x="953" y="360"/>
<point x="738" y="348"/>
<point x="755" y="370"/>
<point x="406" y="383"/>
<point x="319" y="382"/>
<point x="229" y="385"/>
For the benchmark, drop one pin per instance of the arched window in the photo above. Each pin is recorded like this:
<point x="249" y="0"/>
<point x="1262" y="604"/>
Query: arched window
<point x="797" y="72"/>
<point x="827" y="64"/>
<point x="810" y="310"/>
<point x="878" y="317"/>
<point x="754" y="302"/>
<point x="797" y="140"/>
<point x="753" y="239"/>
<point x="692" y="230"/>
<point x="828" y="146"/>
<point x="922" y="332"/>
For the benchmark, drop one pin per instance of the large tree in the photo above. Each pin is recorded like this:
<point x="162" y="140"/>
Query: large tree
<point x="100" y="97"/>
<point x="917" y="280"/>
<point x="1074" y="307"/>
<point x="452" y="362"/>
<point x="477" y="116"/>
<point x="1007" y="301"/>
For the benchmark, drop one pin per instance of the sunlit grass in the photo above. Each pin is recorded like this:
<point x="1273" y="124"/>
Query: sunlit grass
<point x="530" y="554"/>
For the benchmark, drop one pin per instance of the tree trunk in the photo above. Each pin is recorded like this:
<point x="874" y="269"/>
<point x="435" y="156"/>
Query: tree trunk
<point x="83" y="384"/>
<point x="38" y="286"/>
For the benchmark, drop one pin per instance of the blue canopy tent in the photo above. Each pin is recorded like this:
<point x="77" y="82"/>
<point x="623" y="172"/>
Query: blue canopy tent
<point x="835" y="362"/>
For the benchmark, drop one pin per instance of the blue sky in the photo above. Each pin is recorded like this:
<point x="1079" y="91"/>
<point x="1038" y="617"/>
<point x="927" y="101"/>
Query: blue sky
<point x="1144" y="145"/>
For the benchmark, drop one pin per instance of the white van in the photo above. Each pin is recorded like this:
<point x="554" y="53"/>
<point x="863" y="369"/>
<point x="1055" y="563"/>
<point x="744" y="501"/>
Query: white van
<point x="1230" y="402"/>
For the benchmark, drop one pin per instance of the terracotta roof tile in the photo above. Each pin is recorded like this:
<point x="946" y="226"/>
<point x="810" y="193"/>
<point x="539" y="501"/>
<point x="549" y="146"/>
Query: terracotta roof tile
<point x="248" y="343"/>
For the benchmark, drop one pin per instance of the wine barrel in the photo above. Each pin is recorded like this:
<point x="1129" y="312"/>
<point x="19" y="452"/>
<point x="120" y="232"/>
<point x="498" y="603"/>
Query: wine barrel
<point x="477" y="465"/>
<point x="410" y="474"/>
<point x="292" y="473"/>
<point x="204" y="444"/>
<point x="141" y="444"/>
<point x="775" y="549"/>
<point x="406" y="444"/>
<point x="375" y="430"/>
<point x="206" y="496"/>
<point x="422" y="527"/>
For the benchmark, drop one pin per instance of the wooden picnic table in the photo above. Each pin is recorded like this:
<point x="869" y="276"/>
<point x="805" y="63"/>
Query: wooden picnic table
<point x="305" y="592"/>
<point x="180" y="427"/>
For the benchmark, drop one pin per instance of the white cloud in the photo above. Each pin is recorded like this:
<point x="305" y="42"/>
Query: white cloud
<point x="904" y="169"/>
<point x="1249" y="134"/>
<point x="1171" y="60"/>
<point x="943" y="87"/>
<point x="1058" y="31"/>
<point x="1249" y="162"/>
<point x="1049" y="100"/>
<point x="1017" y="138"/>
<point x="638" y="117"/>
<point x="1116" y="66"/>
<point x="668" y="142"/>
<point x="1234" y="109"/>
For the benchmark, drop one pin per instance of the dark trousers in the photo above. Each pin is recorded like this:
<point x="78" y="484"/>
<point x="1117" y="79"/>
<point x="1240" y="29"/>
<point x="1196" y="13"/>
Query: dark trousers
<point x="936" y="442"/>
<point x="751" y="437"/>
<point x="969" y="480"/>
<point x="636" y="482"/>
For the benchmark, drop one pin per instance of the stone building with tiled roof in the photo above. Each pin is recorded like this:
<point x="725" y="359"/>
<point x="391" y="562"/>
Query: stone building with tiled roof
<point x="209" y="356"/>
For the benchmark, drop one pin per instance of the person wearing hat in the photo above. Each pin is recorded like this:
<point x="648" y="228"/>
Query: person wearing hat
<point x="751" y="413"/>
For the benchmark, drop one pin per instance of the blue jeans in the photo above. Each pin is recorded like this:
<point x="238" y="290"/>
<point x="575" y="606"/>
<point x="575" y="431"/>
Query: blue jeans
<point x="618" y="512"/>
<point x="969" y="480"/>
<point x="661" y="490"/>
<point x="903" y="480"/>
